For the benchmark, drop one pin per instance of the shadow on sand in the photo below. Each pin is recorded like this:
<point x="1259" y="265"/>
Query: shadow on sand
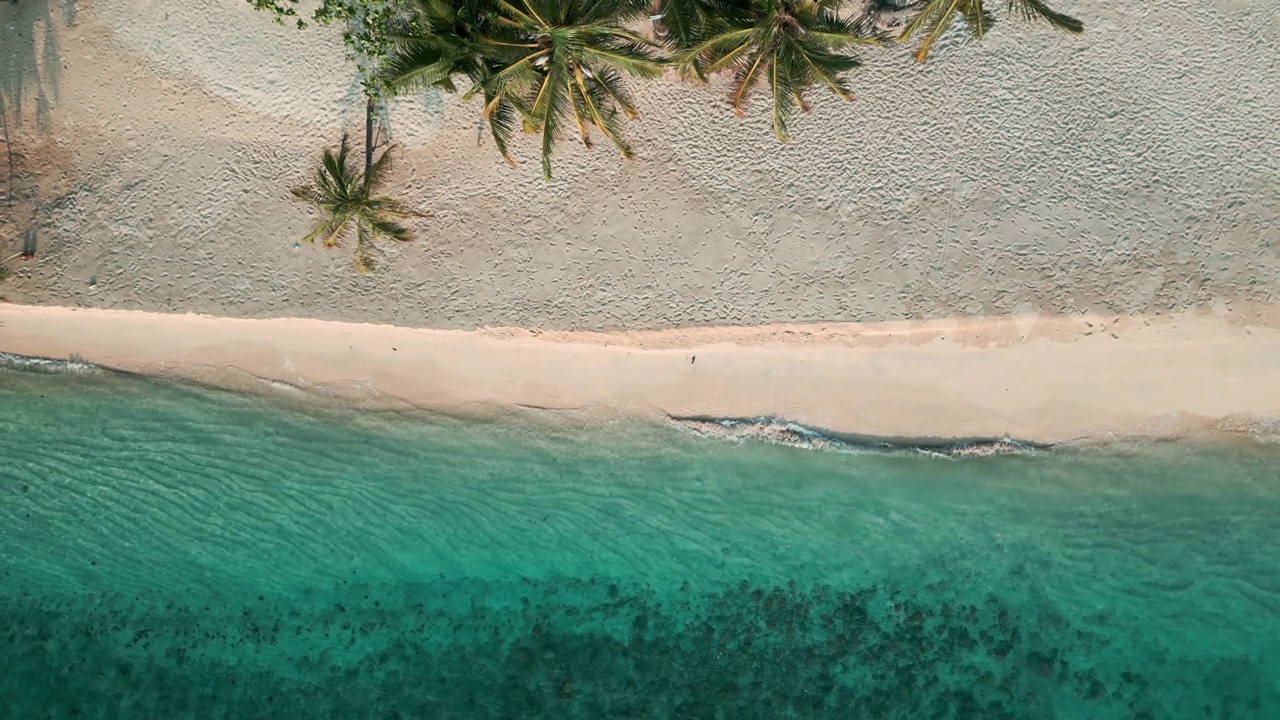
<point x="30" y="70"/>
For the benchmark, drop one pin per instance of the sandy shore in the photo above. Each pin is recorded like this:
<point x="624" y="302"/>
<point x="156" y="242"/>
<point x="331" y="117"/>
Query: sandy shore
<point x="1116" y="172"/>
<point x="1039" y="379"/>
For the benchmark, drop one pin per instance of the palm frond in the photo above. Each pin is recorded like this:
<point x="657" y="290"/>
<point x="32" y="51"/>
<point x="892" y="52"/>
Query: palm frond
<point x="346" y="201"/>
<point x="679" y="22"/>
<point x="820" y="66"/>
<point x="936" y="17"/>
<point x="561" y="70"/>
<point x="582" y="116"/>
<point x="592" y="102"/>
<point x="628" y="58"/>
<point x="612" y="12"/>
<point x="377" y="176"/>
<point x="785" y="45"/>
<point x="391" y="208"/>
<point x="382" y="227"/>
<point x="747" y="74"/>
<point x="418" y="64"/>
<point x="1036" y="9"/>
<point x="785" y="92"/>
<point x="719" y="49"/>
<point x="549" y="107"/>
<point x="977" y="18"/>
<point x="610" y="83"/>
<point x="335" y="229"/>
<point x="934" y="20"/>
<point x="500" y="115"/>
<point x="326" y="228"/>
<point x="519" y="13"/>
<point x="335" y="178"/>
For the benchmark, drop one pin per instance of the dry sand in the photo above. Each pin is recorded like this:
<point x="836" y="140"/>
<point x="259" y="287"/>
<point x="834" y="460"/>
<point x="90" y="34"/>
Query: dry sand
<point x="1133" y="170"/>
<point x="1041" y="380"/>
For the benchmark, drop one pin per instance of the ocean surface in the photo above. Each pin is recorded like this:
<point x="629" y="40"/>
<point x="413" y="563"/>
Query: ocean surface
<point x="176" y="552"/>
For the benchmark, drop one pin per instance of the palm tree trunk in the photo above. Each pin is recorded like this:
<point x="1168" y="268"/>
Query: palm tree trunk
<point x="368" y="136"/>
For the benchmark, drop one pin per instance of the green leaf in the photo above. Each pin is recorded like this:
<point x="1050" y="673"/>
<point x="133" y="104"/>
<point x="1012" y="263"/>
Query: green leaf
<point x="1035" y="9"/>
<point x="347" y="202"/>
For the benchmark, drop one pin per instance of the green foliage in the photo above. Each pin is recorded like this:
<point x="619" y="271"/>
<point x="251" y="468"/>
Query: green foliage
<point x="554" y="67"/>
<point x="681" y="24"/>
<point x="281" y="9"/>
<point x="348" y="203"/>
<point x="550" y="66"/>
<point x="788" y="45"/>
<point x="370" y="26"/>
<point x="448" y="40"/>
<point x="935" y="17"/>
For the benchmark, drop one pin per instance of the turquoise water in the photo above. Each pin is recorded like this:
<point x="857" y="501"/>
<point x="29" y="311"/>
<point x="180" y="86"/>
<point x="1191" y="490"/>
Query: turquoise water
<point x="170" y="552"/>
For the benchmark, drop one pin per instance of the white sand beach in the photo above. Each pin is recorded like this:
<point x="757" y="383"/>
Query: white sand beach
<point x="1041" y="380"/>
<point x="1036" y="235"/>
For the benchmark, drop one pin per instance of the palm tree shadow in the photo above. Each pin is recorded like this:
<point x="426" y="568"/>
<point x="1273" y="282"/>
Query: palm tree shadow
<point x="354" y="98"/>
<point x="30" y="70"/>
<point x="30" y="59"/>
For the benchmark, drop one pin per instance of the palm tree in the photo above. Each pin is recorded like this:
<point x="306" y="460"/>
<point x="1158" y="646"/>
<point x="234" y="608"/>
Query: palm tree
<point x="680" y="23"/>
<point x="790" y="45"/>
<point x="936" y="17"/>
<point x="546" y="63"/>
<point x="346" y="198"/>
<point x="572" y="56"/>
<point x="448" y="39"/>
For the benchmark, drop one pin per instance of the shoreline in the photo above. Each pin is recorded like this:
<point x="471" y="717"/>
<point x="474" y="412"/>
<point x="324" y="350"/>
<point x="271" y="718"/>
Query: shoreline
<point x="1037" y="380"/>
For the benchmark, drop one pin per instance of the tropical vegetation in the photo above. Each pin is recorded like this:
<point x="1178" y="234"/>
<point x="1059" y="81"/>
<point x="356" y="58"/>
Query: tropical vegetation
<point x="786" y="45"/>
<point x="349" y="205"/>
<point x="553" y="66"/>
<point x="934" y="18"/>
<point x="559" y="67"/>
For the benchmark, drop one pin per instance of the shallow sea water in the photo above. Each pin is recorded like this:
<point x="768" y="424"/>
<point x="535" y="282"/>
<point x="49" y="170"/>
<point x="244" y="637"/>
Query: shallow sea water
<point x="173" y="552"/>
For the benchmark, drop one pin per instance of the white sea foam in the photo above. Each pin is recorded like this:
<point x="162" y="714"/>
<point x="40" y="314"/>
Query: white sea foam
<point x="73" y="365"/>
<point x="777" y="431"/>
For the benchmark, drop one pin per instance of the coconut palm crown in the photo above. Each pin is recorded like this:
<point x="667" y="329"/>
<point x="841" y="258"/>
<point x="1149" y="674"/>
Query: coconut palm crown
<point x="447" y="40"/>
<point x="349" y="205"/>
<point x="441" y="39"/>
<point x="551" y="66"/>
<point x="681" y="23"/>
<point x="935" y="17"/>
<point x="569" y="72"/>
<point x="788" y="45"/>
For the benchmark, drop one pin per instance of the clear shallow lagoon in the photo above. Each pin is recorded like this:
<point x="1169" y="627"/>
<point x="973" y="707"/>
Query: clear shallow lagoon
<point x="169" y="552"/>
